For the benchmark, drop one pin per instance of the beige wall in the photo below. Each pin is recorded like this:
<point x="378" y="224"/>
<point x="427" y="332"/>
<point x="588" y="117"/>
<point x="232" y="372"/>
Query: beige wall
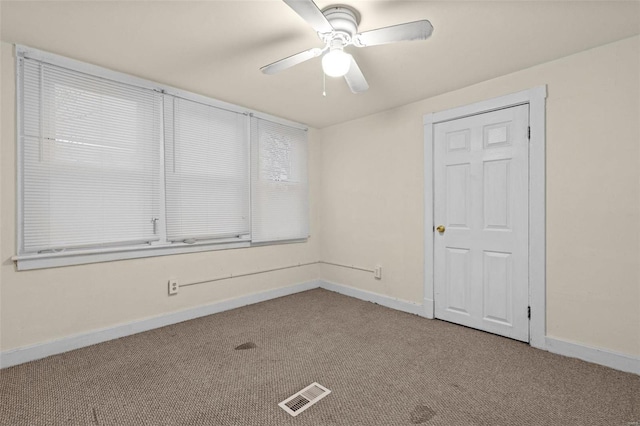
<point x="367" y="208"/>
<point x="43" y="305"/>
<point x="372" y="194"/>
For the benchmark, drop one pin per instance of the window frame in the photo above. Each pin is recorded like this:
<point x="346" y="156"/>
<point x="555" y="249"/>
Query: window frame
<point x="28" y="261"/>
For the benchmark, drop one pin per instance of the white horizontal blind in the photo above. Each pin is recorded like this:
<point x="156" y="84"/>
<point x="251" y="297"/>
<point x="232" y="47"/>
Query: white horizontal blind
<point x="279" y="194"/>
<point x="206" y="171"/>
<point x="90" y="151"/>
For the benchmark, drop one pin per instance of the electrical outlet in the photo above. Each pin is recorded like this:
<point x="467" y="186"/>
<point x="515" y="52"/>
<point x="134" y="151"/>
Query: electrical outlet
<point x="173" y="286"/>
<point x="377" y="272"/>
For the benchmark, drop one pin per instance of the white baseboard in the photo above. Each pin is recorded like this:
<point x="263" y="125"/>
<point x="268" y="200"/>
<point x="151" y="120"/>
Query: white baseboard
<point x="604" y="357"/>
<point x="21" y="355"/>
<point x="389" y="302"/>
<point x="42" y="350"/>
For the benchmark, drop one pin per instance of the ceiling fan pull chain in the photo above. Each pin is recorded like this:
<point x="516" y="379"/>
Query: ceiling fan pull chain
<point x="324" y="84"/>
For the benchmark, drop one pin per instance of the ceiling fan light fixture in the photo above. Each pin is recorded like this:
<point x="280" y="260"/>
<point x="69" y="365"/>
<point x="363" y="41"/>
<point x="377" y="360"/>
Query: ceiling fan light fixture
<point x="336" y="63"/>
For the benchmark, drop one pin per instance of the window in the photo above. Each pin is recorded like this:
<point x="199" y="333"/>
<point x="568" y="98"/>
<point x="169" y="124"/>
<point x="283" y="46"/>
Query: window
<point x="279" y="182"/>
<point x="90" y="160"/>
<point x="206" y="172"/>
<point x="112" y="167"/>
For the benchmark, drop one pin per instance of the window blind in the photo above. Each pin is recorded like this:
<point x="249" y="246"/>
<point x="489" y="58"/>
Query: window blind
<point x="279" y="197"/>
<point x="90" y="160"/>
<point x="206" y="171"/>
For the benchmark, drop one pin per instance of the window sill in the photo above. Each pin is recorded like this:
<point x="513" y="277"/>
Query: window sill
<point x="81" y="257"/>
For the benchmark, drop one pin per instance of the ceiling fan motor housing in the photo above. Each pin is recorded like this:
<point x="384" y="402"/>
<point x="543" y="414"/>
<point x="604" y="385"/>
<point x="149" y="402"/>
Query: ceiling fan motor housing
<point x="344" y="20"/>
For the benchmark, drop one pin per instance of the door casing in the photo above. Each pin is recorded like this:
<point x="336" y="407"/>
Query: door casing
<point x="536" y="98"/>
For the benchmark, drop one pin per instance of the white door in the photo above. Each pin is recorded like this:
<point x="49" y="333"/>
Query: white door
<point x="481" y="199"/>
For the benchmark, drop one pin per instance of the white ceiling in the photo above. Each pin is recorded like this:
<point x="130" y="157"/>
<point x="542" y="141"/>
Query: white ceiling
<point x="216" y="48"/>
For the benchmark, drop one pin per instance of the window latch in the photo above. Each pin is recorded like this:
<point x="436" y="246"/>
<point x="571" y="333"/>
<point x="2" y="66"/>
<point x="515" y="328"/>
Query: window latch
<point x="155" y="225"/>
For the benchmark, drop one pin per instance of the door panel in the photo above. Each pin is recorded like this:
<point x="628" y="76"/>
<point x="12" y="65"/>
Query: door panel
<point x="481" y="171"/>
<point x="496" y="194"/>
<point x="457" y="277"/>
<point x="457" y="181"/>
<point x="497" y="281"/>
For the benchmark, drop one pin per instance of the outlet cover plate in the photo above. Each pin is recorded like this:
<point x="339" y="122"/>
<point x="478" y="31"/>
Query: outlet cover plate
<point x="377" y="273"/>
<point x="173" y="286"/>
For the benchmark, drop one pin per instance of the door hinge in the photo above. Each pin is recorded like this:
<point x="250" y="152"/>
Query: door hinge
<point x="434" y="228"/>
<point x="529" y="312"/>
<point x="529" y="132"/>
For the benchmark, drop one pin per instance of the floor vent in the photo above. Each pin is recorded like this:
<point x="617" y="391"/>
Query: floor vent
<point x="304" y="399"/>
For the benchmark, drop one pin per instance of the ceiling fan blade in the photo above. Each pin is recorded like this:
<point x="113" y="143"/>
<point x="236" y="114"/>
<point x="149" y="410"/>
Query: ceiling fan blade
<point x="308" y="11"/>
<point x="292" y="60"/>
<point x="355" y="79"/>
<point x="418" y="30"/>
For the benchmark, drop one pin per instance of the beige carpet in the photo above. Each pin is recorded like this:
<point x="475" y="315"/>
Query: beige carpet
<point x="383" y="367"/>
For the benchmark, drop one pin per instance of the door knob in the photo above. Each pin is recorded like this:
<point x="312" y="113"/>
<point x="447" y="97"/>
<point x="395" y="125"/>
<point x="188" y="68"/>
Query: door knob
<point x="440" y="229"/>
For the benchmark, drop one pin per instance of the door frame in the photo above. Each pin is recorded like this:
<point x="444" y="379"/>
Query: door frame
<point x="536" y="98"/>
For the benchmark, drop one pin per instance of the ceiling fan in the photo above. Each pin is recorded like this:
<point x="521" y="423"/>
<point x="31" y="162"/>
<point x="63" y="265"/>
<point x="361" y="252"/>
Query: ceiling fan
<point x="337" y="27"/>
